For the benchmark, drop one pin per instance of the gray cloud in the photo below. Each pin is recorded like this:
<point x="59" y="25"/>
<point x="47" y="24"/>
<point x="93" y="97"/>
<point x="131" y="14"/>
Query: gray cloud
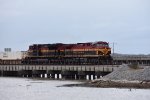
<point x="126" y="22"/>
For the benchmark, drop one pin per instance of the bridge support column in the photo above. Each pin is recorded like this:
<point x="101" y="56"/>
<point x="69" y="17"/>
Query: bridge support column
<point x="48" y="75"/>
<point x="95" y="76"/>
<point x="45" y="75"/>
<point x="56" y="76"/>
<point x="82" y="77"/>
<point x="87" y="77"/>
<point x="92" y="77"/>
<point x="75" y="76"/>
<point x="60" y="76"/>
<point x="10" y="73"/>
<point x="25" y="73"/>
<point x="52" y="76"/>
<point x="69" y="75"/>
<point x="1" y="73"/>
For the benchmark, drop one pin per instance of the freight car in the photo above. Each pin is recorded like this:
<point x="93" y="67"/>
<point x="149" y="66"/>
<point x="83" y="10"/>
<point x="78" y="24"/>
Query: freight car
<point x="90" y="53"/>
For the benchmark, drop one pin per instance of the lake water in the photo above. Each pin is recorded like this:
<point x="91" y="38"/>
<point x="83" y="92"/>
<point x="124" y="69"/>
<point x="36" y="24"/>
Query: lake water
<point x="28" y="89"/>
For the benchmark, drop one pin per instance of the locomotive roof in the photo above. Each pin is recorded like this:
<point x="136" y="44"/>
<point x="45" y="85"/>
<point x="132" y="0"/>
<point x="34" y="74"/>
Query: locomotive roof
<point x="103" y="42"/>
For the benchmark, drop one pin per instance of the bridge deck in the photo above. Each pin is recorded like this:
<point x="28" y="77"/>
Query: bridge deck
<point x="104" y="68"/>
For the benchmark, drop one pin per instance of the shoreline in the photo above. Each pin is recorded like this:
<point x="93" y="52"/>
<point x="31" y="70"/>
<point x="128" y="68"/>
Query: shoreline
<point x="113" y="84"/>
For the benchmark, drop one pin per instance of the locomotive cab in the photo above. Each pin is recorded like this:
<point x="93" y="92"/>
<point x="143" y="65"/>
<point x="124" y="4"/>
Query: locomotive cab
<point x="103" y="48"/>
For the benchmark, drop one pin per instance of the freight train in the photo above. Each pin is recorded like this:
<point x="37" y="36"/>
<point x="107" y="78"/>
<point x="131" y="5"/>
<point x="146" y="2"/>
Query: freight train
<point x="89" y="53"/>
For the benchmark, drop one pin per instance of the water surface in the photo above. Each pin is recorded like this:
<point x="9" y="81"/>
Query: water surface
<point x="29" y="89"/>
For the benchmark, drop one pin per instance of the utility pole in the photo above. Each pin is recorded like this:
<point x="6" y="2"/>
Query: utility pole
<point x="113" y="47"/>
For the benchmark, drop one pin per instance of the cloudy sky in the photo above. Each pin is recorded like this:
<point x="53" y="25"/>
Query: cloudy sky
<point x="124" y="22"/>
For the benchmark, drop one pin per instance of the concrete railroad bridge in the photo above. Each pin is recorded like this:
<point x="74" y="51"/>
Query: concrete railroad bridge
<point x="69" y="71"/>
<point x="57" y="71"/>
<point x="129" y="59"/>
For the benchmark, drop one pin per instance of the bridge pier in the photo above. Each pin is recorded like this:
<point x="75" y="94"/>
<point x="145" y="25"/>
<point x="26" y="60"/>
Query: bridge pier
<point x="45" y="75"/>
<point x="1" y="72"/>
<point x="56" y="76"/>
<point x="60" y="76"/>
<point x="90" y="77"/>
<point x="10" y="73"/>
<point x="81" y="75"/>
<point x="25" y="73"/>
<point x="53" y="74"/>
<point x="69" y="75"/>
<point x="38" y="73"/>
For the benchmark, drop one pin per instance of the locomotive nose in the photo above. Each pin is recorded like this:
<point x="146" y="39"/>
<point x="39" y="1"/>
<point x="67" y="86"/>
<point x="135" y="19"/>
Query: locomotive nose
<point x="105" y="51"/>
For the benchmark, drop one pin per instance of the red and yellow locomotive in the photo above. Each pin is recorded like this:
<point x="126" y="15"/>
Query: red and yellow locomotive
<point x="79" y="53"/>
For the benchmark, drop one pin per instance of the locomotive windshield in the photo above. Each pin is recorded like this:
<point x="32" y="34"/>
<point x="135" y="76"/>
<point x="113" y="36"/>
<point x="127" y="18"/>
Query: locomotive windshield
<point x="102" y="45"/>
<point x="106" y="45"/>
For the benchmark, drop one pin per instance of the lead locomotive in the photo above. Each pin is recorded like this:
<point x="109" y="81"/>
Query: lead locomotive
<point x="95" y="53"/>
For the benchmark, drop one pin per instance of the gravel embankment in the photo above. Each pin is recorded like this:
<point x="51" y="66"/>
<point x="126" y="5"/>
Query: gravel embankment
<point x="124" y="72"/>
<point x="125" y="77"/>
